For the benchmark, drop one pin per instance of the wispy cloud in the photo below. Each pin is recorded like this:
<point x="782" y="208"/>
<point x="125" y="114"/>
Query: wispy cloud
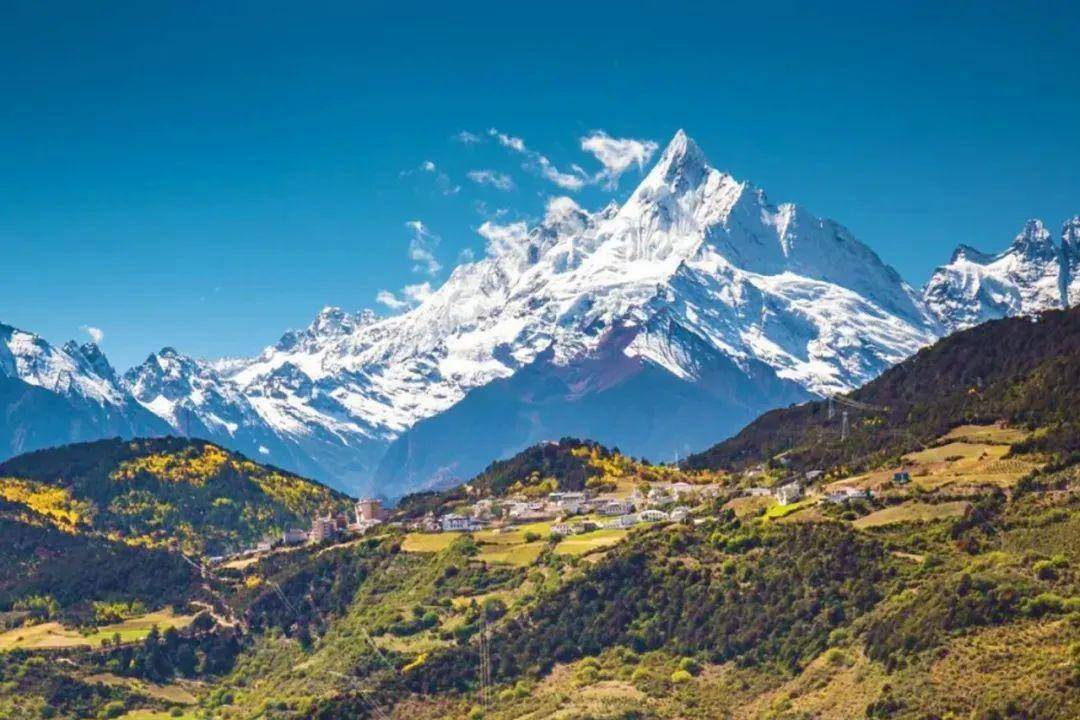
<point x="390" y="300"/>
<point x="410" y="297"/>
<point x="538" y="163"/>
<point x="443" y="183"/>
<point x="467" y="138"/>
<point x="96" y="334"/>
<point x="466" y="256"/>
<point x="422" y="246"/>
<point x="617" y="155"/>
<point x="497" y="180"/>
<point x="514" y="143"/>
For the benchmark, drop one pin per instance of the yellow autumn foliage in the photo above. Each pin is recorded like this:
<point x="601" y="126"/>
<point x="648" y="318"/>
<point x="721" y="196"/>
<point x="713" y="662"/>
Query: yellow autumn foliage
<point x="190" y="466"/>
<point x="52" y="502"/>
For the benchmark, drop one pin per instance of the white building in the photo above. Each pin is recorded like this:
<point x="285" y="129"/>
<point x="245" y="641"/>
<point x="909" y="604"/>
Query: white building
<point x="561" y="529"/>
<point x="623" y="522"/>
<point x="616" y="507"/>
<point x="652" y="516"/>
<point x="569" y="502"/>
<point x="787" y="494"/>
<point x="680" y="513"/>
<point x="458" y="523"/>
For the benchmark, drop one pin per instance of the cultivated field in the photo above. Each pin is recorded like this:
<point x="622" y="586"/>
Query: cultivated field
<point x="911" y="512"/>
<point x="55" y="635"/>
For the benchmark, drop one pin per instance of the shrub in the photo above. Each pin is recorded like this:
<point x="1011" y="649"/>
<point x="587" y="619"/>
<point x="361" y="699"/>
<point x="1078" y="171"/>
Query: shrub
<point x="681" y="676"/>
<point x="690" y="665"/>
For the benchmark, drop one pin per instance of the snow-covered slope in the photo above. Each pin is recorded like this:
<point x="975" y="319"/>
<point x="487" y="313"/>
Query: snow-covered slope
<point x="1031" y="275"/>
<point x="659" y="325"/>
<point x="52" y="396"/>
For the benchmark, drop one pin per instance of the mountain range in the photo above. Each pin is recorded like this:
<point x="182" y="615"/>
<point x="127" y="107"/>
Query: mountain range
<point x="659" y="325"/>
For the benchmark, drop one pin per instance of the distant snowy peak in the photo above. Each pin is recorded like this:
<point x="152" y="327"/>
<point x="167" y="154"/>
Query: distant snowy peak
<point x="329" y="324"/>
<point x="1070" y="258"/>
<point x="1033" y="274"/>
<point x="71" y="371"/>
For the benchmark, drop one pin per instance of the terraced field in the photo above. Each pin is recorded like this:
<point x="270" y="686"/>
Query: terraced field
<point x="912" y="512"/>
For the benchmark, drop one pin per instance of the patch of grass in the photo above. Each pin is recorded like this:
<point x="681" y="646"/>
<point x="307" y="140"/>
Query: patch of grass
<point x="518" y="555"/>
<point x="777" y="511"/>
<point x="950" y="452"/>
<point x="748" y="506"/>
<point x="55" y="635"/>
<point x="158" y="715"/>
<point x="173" y="693"/>
<point x="588" y="542"/>
<point x="428" y="542"/>
<point x="912" y="512"/>
<point x="986" y="434"/>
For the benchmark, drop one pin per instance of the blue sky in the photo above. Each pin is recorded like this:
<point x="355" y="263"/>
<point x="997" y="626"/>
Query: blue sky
<point x="206" y="176"/>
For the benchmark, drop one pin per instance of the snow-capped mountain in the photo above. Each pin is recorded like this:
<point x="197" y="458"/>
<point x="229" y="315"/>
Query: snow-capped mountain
<point x="1031" y="275"/>
<point x="697" y="280"/>
<point x="660" y="325"/>
<point x="52" y="396"/>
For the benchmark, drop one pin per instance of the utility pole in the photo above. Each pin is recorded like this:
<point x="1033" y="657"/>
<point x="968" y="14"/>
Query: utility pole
<point x="485" y="663"/>
<point x="832" y="410"/>
<point x="844" y="428"/>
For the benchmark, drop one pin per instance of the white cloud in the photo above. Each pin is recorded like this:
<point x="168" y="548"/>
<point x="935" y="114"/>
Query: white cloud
<point x="540" y="164"/>
<point x="96" y="334"/>
<point x="497" y="180"/>
<point x="504" y="239"/>
<point x="411" y="296"/>
<point x="263" y="450"/>
<point x="466" y="256"/>
<point x="422" y="248"/>
<point x="390" y="300"/>
<point x="427" y="166"/>
<point x="617" y="154"/>
<point x="467" y="138"/>
<point x="514" y="143"/>
<point x="566" y="181"/>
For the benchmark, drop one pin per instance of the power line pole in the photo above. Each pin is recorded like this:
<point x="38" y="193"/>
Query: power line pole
<point x="844" y="428"/>
<point x="485" y="663"/>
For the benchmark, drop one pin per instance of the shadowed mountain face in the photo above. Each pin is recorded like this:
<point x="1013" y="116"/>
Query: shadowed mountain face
<point x="621" y="402"/>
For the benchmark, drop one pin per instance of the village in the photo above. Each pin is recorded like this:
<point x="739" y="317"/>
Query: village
<point x="566" y="513"/>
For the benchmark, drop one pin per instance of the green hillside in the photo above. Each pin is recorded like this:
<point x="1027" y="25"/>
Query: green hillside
<point x="1021" y="370"/>
<point x="164" y="490"/>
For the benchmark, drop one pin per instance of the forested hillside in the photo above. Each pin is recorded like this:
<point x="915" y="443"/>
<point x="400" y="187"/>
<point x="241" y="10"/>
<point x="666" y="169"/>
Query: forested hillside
<point x="1025" y="371"/>
<point x="165" y="490"/>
